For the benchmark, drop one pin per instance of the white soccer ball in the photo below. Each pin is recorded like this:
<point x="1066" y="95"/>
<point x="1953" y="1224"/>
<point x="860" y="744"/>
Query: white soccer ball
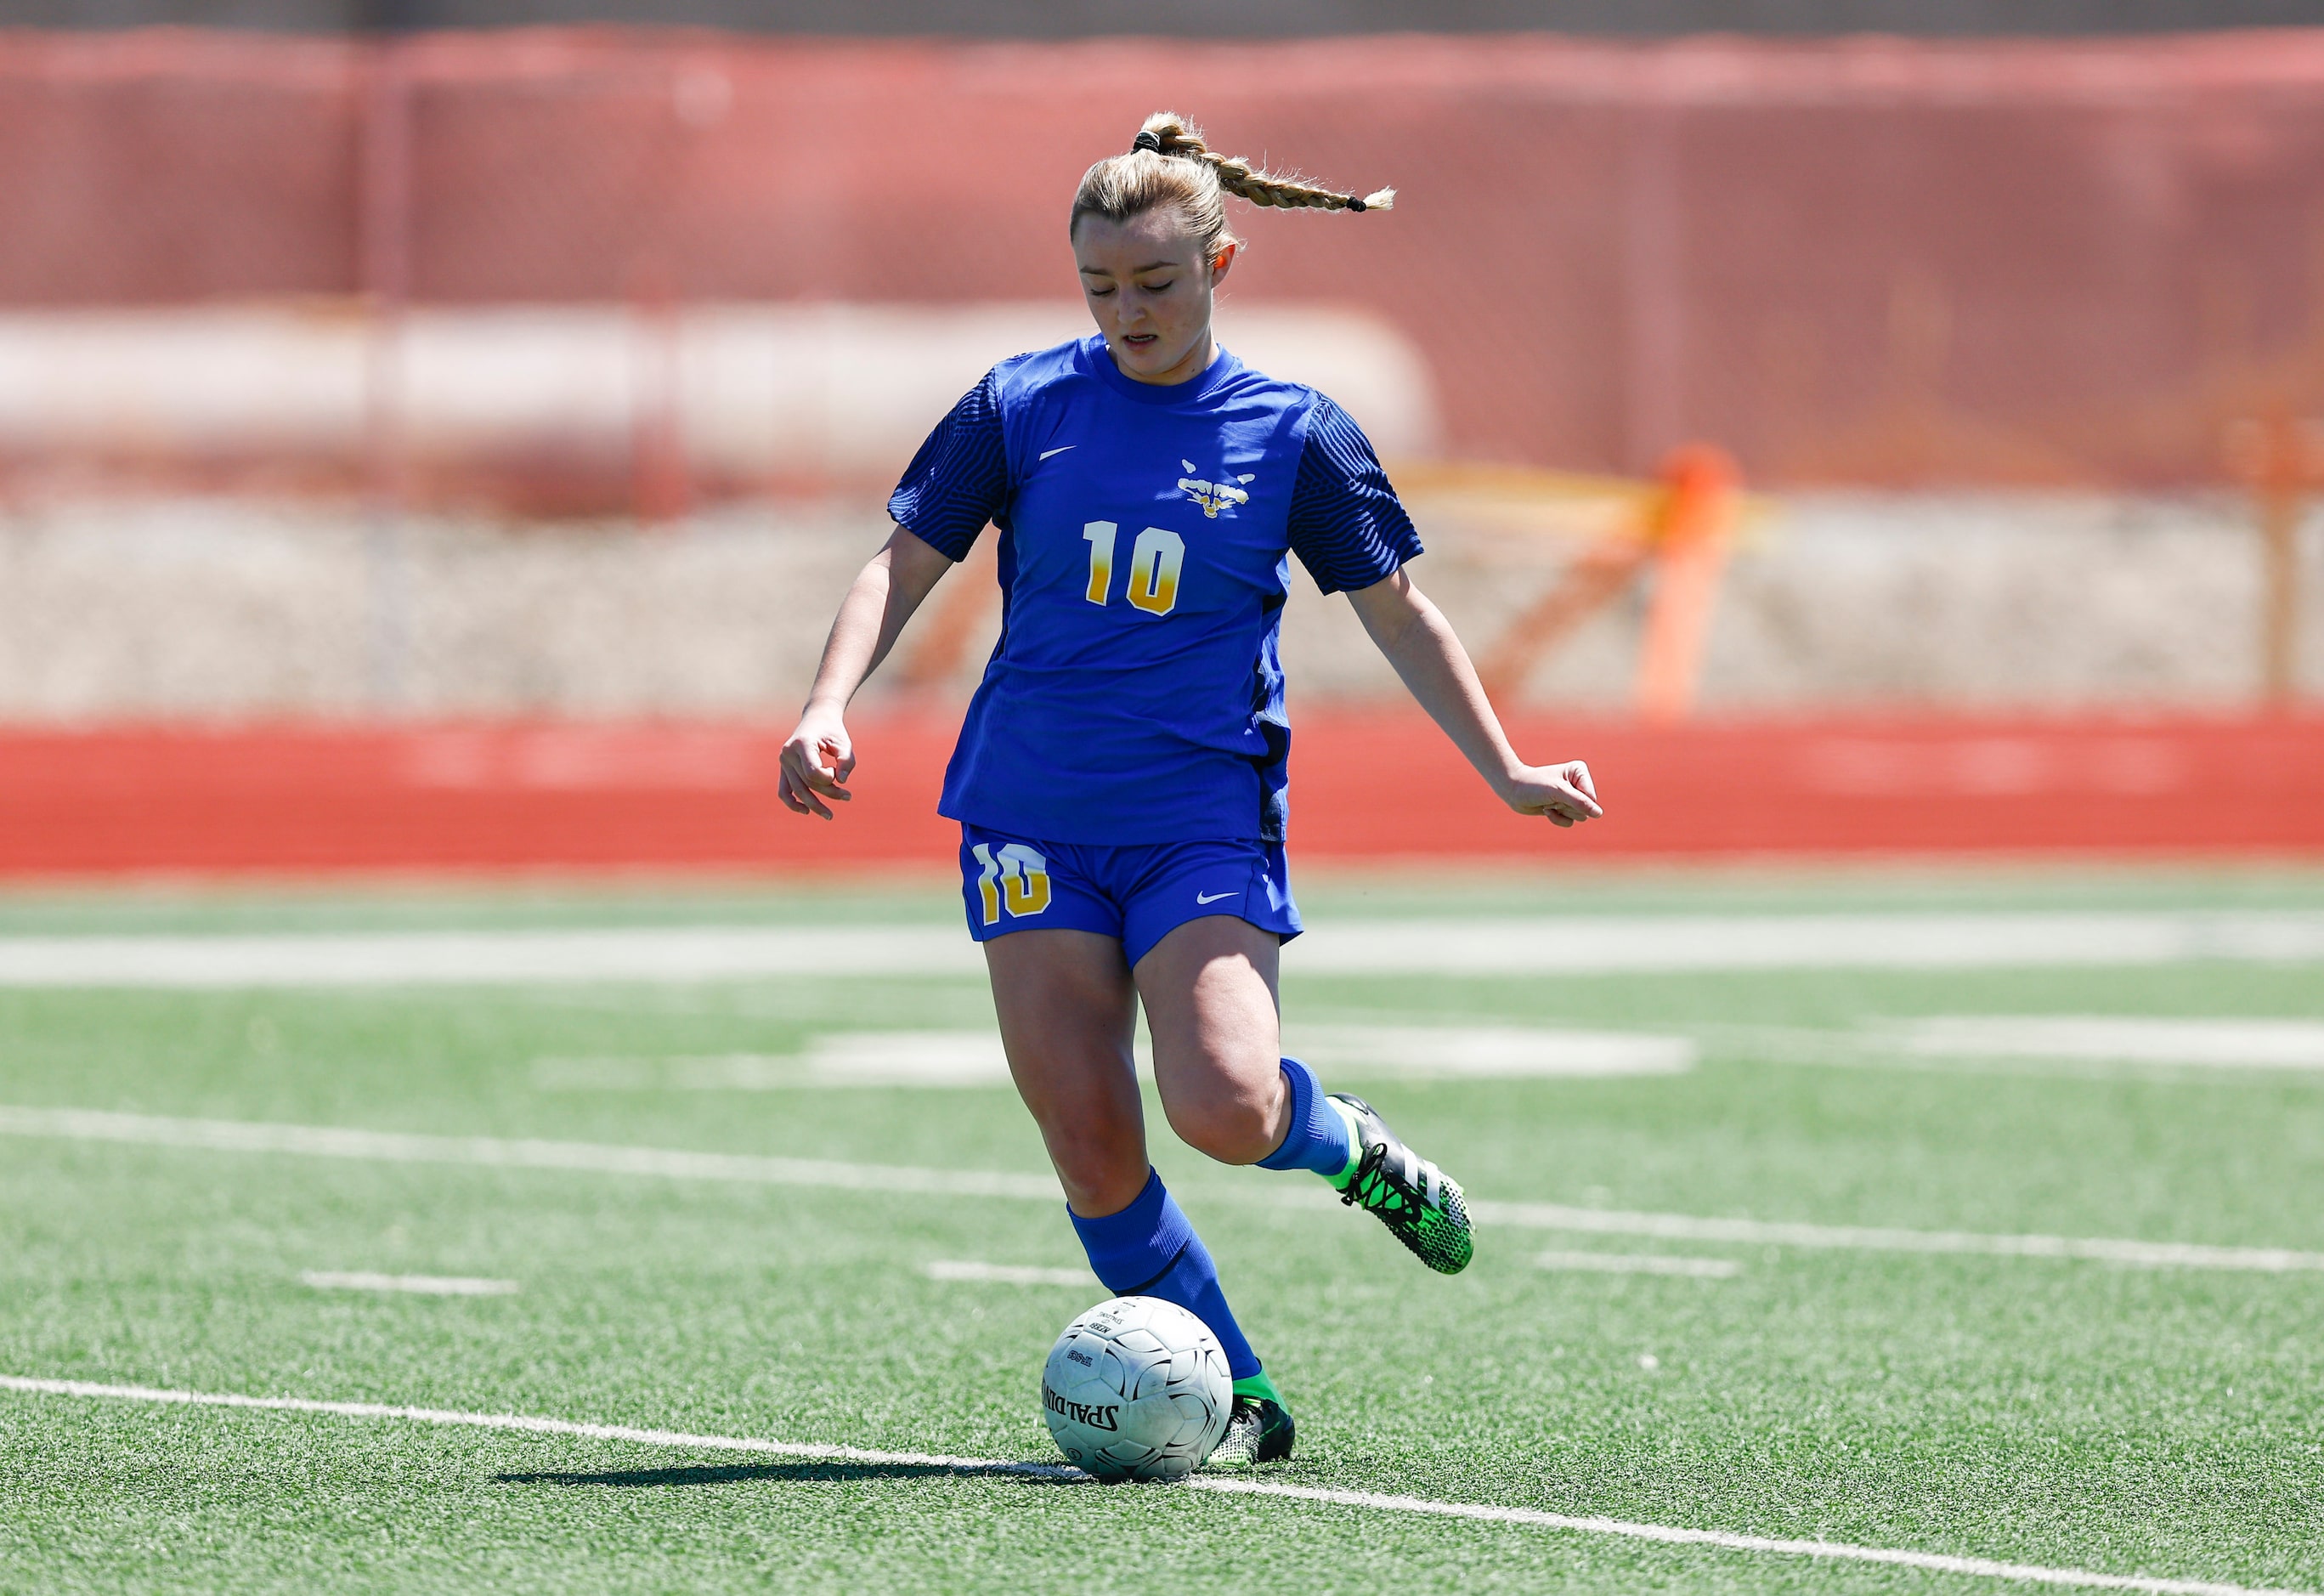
<point x="1137" y="1389"/>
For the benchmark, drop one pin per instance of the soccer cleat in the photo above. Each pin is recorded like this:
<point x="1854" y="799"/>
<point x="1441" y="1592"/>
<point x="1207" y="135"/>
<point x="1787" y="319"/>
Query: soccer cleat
<point x="1421" y="1205"/>
<point x="1258" y="1431"/>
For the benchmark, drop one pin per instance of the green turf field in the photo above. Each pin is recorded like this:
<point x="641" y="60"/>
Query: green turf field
<point x="2138" y="1418"/>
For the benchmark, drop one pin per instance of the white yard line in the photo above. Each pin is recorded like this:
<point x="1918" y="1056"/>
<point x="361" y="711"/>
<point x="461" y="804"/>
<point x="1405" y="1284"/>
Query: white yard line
<point x="1540" y="946"/>
<point x="1006" y="1274"/>
<point x="1834" y="1550"/>
<point x="527" y="1424"/>
<point x="1721" y="1540"/>
<point x="393" y="1147"/>
<point x="419" y="1285"/>
<point x="241" y="1135"/>
<point x="945" y="1059"/>
<point x="1763" y="1232"/>
<point x="1615" y="943"/>
<point x="2131" y="1039"/>
<point x="468" y="958"/>
<point x="1638" y="1263"/>
<point x="1376" y="1051"/>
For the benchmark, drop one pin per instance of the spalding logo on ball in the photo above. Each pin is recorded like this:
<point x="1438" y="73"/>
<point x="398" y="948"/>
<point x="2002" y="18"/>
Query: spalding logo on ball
<point x="1137" y="1389"/>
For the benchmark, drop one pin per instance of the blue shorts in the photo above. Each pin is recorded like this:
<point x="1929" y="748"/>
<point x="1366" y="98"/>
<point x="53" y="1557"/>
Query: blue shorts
<point x="1138" y="894"/>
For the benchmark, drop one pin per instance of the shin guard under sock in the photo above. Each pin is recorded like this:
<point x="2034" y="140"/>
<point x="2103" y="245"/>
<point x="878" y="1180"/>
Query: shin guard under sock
<point x="1320" y="1137"/>
<point x="1149" y="1249"/>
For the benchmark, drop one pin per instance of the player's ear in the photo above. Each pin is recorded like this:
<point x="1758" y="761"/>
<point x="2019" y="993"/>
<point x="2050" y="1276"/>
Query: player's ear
<point x="1224" y="259"/>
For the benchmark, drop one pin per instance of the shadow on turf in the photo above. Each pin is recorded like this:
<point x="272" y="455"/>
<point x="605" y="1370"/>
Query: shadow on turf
<point x="793" y="1473"/>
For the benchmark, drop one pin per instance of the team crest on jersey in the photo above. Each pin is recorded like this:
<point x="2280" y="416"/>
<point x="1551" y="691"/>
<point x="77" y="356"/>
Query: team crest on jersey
<point x="1212" y="496"/>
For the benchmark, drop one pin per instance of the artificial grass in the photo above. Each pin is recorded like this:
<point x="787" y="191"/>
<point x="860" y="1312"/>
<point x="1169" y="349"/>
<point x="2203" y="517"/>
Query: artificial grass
<point x="2063" y="1413"/>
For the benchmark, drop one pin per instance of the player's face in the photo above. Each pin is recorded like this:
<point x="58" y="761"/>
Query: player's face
<point x="1149" y="290"/>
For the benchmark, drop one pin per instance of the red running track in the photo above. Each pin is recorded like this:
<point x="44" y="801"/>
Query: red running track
<point x="1367" y="786"/>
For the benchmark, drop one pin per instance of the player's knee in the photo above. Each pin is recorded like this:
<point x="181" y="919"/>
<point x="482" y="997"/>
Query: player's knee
<point x="1233" y="1127"/>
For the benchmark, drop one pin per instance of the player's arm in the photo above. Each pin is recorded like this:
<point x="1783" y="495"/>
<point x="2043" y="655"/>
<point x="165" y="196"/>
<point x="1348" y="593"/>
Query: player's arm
<point x="819" y="758"/>
<point x="1419" y="642"/>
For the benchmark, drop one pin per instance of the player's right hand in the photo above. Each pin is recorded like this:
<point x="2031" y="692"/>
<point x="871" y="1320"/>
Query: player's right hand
<point x="817" y="759"/>
<point x="1561" y="794"/>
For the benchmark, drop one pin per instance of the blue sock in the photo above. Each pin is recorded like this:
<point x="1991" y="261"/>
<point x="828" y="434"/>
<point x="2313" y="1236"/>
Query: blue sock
<point x="1149" y="1249"/>
<point x="1319" y="1137"/>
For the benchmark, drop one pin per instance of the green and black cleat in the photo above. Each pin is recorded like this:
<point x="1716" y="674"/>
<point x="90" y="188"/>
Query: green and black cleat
<point x="1258" y="1431"/>
<point x="1421" y="1206"/>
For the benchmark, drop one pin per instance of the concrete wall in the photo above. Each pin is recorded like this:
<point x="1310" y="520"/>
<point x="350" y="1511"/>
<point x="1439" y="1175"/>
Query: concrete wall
<point x="217" y="609"/>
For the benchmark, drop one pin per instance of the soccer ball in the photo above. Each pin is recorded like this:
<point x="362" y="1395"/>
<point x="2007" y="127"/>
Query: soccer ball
<point x="1137" y="1389"/>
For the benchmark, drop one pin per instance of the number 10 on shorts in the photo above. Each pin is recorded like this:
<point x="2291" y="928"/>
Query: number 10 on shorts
<point x="1014" y="875"/>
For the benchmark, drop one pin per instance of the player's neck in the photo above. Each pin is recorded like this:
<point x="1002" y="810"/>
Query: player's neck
<point x="1197" y="361"/>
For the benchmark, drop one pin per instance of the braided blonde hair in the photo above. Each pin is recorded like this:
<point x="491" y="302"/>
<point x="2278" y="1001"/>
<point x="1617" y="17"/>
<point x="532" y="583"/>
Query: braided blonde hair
<point x="1170" y="164"/>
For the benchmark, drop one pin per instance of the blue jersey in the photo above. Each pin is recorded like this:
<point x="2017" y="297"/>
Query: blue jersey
<point x="1135" y="695"/>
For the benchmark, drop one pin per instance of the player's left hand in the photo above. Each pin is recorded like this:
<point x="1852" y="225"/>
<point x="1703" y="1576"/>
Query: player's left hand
<point x="816" y="761"/>
<point x="1562" y="792"/>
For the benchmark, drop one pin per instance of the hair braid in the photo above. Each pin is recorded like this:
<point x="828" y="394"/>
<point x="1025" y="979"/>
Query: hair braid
<point x="1177" y="136"/>
<point x="1169" y="164"/>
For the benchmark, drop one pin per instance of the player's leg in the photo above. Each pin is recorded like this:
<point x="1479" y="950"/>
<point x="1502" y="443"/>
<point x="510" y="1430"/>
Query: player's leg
<point x="1210" y="997"/>
<point x="1065" y="1002"/>
<point x="1209" y="987"/>
<point x="1209" y="990"/>
<point x="1066" y="1011"/>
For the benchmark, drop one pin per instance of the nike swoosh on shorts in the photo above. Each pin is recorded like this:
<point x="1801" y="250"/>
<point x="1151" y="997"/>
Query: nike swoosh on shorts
<point x="1059" y="450"/>
<point x="1213" y="898"/>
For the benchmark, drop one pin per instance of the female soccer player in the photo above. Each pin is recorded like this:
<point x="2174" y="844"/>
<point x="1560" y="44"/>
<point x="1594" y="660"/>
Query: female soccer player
<point x="1119" y="780"/>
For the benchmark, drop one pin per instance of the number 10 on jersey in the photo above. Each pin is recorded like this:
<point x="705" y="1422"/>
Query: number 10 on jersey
<point x="1155" y="562"/>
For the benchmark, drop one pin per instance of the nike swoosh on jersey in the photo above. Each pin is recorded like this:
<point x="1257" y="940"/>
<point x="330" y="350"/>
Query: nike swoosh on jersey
<point x="1212" y="898"/>
<point x="1059" y="450"/>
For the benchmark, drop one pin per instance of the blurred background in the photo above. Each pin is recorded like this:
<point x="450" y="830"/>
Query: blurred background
<point x="434" y="436"/>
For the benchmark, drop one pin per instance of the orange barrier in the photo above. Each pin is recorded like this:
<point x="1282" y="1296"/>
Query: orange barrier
<point x="1681" y="533"/>
<point x="2283" y="464"/>
<point x="1367" y="788"/>
<point x="1691" y="536"/>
